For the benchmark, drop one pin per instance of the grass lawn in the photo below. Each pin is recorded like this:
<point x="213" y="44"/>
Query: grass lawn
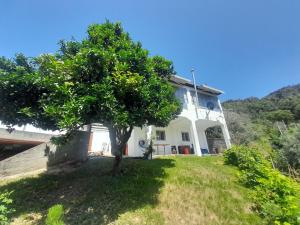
<point x="168" y="190"/>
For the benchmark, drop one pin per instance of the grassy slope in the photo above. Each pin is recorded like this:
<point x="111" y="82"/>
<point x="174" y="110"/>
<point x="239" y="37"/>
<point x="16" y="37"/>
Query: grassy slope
<point x="170" y="190"/>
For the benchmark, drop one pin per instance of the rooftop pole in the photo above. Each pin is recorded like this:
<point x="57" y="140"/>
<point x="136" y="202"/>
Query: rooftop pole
<point x="196" y="93"/>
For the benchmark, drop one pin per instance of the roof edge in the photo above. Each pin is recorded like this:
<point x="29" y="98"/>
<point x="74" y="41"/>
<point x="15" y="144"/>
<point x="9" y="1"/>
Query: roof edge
<point x="202" y="87"/>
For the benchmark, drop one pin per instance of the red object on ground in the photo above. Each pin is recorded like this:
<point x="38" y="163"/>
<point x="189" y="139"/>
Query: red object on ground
<point x="186" y="151"/>
<point x="125" y="152"/>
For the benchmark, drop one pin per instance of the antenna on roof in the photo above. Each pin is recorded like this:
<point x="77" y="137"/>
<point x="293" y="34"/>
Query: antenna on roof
<point x="196" y="93"/>
<point x="195" y="86"/>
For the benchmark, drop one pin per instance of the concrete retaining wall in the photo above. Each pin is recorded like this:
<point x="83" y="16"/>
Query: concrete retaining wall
<point x="18" y="135"/>
<point x="46" y="155"/>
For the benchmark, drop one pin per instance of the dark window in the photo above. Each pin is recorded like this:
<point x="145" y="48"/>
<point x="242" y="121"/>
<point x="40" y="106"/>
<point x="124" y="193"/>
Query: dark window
<point x="185" y="136"/>
<point x="160" y="135"/>
<point x="181" y="95"/>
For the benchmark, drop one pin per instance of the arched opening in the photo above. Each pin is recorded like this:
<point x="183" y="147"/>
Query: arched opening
<point x="215" y="139"/>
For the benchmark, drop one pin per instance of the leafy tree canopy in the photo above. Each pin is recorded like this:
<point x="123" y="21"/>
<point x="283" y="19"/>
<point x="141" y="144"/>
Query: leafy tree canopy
<point x="280" y="115"/>
<point x="105" y="78"/>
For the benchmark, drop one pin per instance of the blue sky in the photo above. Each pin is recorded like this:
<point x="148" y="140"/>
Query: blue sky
<point x="247" y="48"/>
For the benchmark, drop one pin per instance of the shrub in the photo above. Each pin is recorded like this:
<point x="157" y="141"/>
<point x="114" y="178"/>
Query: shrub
<point x="251" y="163"/>
<point x="276" y="196"/>
<point x="55" y="215"/>
<point x="290" y="142"/>
<point x="5" y="209"/>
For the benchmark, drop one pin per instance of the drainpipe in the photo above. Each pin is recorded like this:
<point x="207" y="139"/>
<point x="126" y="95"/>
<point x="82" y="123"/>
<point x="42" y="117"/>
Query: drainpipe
<point x="196" y="93"/>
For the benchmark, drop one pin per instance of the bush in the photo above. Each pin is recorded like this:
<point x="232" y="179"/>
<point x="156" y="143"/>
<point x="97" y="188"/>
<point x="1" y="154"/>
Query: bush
<point x="5" y="209"/>
<point x="55" y="215"/>
<point x="276" y="196"/>
<point x="290" y="150"/>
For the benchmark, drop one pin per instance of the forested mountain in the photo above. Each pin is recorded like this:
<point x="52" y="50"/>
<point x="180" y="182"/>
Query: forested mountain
<point x="280" y="105"/>
<point x="285" y="92"/>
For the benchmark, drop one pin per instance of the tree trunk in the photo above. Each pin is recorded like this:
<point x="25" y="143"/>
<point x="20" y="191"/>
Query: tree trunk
<point x="118" y="138"/>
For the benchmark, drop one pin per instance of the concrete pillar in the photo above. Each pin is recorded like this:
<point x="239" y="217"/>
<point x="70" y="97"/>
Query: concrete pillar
<point x="226" y="135"/>
<point x="149" y="134"/>
<point x="197" y="147"/>
<point x="88" y="129"/>
<point x="202" y="139"/>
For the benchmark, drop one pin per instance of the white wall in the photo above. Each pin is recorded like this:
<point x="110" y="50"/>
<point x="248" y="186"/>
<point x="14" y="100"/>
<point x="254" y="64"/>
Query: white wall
<point x="202" y="139"/>
<point x="133" y="143"/>
<point x="30" y="128"/>
<point x="173" y="137"/>
<point x="101" y="142"/>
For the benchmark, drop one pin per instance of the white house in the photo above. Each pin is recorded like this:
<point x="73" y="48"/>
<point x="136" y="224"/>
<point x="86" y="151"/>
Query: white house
<point x="184" y="135"/>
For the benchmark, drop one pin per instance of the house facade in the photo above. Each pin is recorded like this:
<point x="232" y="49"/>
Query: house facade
<point x="184" y="135"/>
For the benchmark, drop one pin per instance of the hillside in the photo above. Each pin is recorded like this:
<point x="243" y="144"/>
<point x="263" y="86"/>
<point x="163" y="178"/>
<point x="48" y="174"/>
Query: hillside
<point x="168" y="190"/>
<point x="287" y="99"/>
<point x="273" y="123"/>
<point x="285" y="92"/>
<point x="252" y="118"/>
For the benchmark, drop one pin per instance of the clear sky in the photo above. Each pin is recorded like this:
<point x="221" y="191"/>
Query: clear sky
<point x="245" y="47"/>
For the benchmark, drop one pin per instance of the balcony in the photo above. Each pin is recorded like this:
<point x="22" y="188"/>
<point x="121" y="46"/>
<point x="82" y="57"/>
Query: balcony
<point x="207" y="114"/>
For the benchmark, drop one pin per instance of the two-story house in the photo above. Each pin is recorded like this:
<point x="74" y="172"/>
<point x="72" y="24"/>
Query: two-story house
<point x="184" y="135"/>
<point x="27" y="148"/>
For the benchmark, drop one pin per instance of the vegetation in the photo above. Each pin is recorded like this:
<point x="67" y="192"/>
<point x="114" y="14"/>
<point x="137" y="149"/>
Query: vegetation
<point x="106" y="78"/>
<point x="5" y="207"/>
<point x="55" y="215"/>
<point x="167" y="190"/>
<point x="289" y="153"/>
<point x="274" y="121"/>
<point x="276" y="196"/>
<point x="286" y="100"/>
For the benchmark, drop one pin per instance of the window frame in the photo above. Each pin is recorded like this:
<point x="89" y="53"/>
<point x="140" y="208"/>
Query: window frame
<point x="185" y="136"/>
<point x="159" y="135"/>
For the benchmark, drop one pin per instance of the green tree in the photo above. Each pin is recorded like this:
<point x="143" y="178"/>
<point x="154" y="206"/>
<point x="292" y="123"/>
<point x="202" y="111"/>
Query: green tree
<point x="280" y="115"/>
<point x="106" y="78"/>
<point x="297" y="111"/>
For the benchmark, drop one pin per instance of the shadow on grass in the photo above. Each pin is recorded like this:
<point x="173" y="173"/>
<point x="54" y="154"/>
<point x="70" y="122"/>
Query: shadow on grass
<point x="89" y="195"/>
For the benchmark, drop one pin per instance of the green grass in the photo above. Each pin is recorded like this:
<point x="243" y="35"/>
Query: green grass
<point x="168" y="190"/>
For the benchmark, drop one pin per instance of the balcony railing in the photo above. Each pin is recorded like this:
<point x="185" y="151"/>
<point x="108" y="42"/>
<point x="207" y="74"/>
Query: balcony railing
<point x="205" y="113"/>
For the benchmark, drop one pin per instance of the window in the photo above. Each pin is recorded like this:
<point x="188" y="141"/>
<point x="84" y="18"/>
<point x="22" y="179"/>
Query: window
<point x="206" y="101"/>
<point x="160" y="135"/>
<point x="181" y="94"/>
<point x="185" y="136"/>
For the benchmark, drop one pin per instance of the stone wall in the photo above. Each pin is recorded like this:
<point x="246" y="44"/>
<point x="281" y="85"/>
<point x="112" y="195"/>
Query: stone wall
<point x="46" y="155"/>
<point x="217" y="144"/>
